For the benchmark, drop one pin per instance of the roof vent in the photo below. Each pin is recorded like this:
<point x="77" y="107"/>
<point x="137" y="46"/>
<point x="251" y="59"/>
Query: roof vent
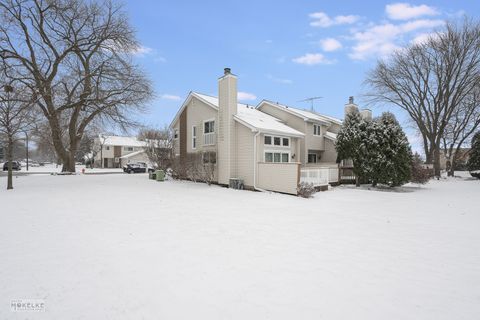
<point x="350" y="100"/>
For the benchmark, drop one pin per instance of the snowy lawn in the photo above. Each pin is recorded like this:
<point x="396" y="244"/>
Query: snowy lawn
<point x="124" y="247"/>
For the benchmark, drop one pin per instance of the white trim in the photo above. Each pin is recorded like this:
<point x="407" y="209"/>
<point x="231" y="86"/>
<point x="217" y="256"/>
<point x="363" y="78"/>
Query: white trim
<point x="194" y="137"/>
<point x="291" y="110"/>
<point x="318" y="126"/>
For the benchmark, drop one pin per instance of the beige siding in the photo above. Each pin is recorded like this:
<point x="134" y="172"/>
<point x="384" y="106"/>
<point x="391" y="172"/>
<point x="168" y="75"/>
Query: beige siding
<point x="279" y="177"/>
<point x="330" y="154"/>
<point x="313" y="142"/>
<point x="197" y="113"/>
<point x="245" y="162"/>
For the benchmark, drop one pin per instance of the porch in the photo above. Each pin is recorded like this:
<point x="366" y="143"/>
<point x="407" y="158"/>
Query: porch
<point x="320" y="175"/>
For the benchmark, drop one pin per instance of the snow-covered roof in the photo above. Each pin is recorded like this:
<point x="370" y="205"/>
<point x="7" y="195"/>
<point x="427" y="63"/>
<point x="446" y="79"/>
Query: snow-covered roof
<point x="331" y="135"/>
<point x="133" y="154"/>
<point x="306" y="115"/>
<point x="121" y="141"/>
<point x="255" y="119"/>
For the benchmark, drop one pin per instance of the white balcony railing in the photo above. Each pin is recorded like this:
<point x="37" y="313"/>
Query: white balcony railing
<point x="209" y="139"/>
<point x="319" y="176"/>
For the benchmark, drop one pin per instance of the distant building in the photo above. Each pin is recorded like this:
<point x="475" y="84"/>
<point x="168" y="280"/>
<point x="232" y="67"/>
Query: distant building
<point x="117" y="151"/>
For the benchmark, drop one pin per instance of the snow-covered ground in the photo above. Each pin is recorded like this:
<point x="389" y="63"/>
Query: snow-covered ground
<point x="124" y="247"/>
<point x="53" y="168"/>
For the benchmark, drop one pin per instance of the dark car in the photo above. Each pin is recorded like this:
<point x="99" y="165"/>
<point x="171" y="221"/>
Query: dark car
<point x="135" y="168"/>
<point x="16" y="166"/>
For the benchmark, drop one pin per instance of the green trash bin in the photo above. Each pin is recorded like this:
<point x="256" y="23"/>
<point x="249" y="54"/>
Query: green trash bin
<point x="152" y="176"/>
<point x="160" y="175"/>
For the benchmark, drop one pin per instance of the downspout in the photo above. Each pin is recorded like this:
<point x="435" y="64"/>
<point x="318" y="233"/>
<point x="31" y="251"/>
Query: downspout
<point x="255" y="163"/>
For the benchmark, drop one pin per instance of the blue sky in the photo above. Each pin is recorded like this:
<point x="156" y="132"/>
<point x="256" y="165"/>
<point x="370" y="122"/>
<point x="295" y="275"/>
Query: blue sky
<point x="284" y="51"/>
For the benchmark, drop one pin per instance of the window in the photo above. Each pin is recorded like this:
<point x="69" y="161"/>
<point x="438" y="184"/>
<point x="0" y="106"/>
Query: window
<point x="107" y="148"/>
<point x="175" y="134"/>
<point x="277" y="157"/>
<point x="209" y="157"/>
<point x="268" y="157"/>
<point x="128" y="148"/>
<point x="194" y="137"/>
<point x="312" y="158"/>
<point x="209" y="126"/>
<point x="276" y="141"/>
<point x="317" y="130"/>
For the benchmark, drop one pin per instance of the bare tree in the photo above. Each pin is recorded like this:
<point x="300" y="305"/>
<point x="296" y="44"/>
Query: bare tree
<point x="159" y="146"/>
<point x="15" y="118"/>
<point x="430" y="81"/>
<point x="76" y="57"/>
<point x="464" y="123"/>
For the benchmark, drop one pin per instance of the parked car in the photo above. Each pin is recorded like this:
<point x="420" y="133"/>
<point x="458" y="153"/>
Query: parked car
<point x="138" y="167"/>
<point x="16" y="166"/>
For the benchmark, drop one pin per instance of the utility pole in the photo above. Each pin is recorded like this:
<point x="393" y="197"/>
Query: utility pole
<point x="311" y="100"/>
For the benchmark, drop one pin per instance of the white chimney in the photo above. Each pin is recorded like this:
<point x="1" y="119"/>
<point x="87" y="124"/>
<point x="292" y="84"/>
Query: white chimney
<point x="227" y="108"/>
<point x="366" y="114"/>
<point x="350" y="106"/>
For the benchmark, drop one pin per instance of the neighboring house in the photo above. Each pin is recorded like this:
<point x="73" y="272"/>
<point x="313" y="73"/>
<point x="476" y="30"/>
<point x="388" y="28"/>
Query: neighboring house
<point x="117" y="151"/>
<point x="462" y="158"/>
<point x="271" y="146"/>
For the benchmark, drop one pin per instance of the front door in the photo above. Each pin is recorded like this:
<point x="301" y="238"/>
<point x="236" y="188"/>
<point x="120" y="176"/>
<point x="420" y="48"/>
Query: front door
<point x="117" y="153"/>
<point x="105" y="162"/>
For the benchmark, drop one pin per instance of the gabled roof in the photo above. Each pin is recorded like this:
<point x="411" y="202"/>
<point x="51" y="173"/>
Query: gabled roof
<point x="129" y="155"/>
<point x="247" y="115"/>
<point x="304" y="114"/>
<point x="122" y="141"/>
<point x="208" y="100"/>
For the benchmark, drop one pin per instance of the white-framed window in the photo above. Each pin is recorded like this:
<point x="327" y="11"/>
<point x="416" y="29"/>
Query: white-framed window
<point x="277" y="157"/>
<point x="175" y="133"/>
<point x="276" y="141"/>
<point x="209" y="132"/>
<point x="194" y="137"/>
<point x="312" y="158"/>
<point x="128" y="148"/>
<point x="317" y="130"/>
<point x="209" y="126"/>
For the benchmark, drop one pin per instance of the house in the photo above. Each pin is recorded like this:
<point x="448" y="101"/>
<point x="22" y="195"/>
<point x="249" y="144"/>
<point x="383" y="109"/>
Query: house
<point x="116" y="151"/>
<point x="268" y="147"/>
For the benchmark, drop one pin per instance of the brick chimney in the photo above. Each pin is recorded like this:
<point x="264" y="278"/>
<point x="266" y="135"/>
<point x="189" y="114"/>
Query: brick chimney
<point x="227" y="108"/>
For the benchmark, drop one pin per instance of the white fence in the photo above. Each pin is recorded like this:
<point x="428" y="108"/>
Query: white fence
<point x="319" y="176"/>
<point x="209" y="139"/>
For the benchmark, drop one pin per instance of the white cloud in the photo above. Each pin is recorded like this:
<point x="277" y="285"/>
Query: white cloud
<point x="381" y="40"/>
<point x="405" y="11"/>
<point x="279" y="80"/>
<point x="330" y="44"/>
<point x="243" y="96"/>
<point x="173" y="97"/>
<point x="311" y="59"/>
<point x="321" y="19"/>
<point x="142" y="51"/>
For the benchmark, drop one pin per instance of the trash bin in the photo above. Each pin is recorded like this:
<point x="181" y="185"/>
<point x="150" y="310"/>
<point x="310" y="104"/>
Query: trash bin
<point x="160" y="175"/>
<point x="152" y="175"/>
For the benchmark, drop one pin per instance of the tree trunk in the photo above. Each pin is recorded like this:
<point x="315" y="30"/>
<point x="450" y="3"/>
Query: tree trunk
<point x="436" y="161"/>
<point x="10" y="164"/>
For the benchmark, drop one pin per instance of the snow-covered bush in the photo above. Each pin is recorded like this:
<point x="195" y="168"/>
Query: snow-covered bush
<point x="305" y="190"/>
<point x="473" y="164"/>
<point x="420" y="174"/>
<point x="379" y="149"/>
